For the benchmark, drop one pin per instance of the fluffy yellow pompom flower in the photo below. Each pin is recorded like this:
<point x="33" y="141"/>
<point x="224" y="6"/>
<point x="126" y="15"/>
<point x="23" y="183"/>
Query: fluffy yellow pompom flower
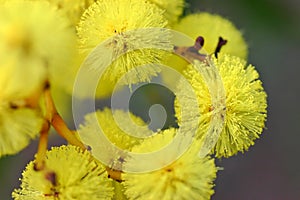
<point x="211" y="27"/>
<point x="173" y="9"/>
<point x="70" y="174"/>
<point x="189" y="177"/>
<point x="105" y="119"/>
<point x="245" y="104"/>
<point x="36" y="42"/>
<point x="117" y="126"/>
<point x="17" y="127"/>
<point x="125" y="23"/>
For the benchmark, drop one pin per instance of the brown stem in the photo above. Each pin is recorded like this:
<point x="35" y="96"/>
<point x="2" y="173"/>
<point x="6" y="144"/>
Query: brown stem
<point x="62" y="129"/>
<point x="42" y="148"/>
<point x="43" y="141"/>
<point x="114" y="174"/>
<point x="221" y="43"/>
<point x="52" y="118"/>
<point x="58" y="123"/>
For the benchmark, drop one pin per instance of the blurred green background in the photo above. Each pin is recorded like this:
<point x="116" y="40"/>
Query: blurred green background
<point x="270" y="170"/>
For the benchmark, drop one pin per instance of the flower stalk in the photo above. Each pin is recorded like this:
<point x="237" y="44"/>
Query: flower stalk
<point x="52" y="118"/>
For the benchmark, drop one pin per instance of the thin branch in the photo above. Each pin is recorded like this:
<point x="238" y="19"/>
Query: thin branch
<point x="58" y="123"/>
<point x="42" y="148"/>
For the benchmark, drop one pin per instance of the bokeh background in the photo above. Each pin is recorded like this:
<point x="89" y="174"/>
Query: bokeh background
<point x="270" y="170"/>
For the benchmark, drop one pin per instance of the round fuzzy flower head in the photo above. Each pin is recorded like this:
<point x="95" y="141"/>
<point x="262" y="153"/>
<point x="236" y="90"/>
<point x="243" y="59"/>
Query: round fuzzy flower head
<point x="118" y="128"/>
<point x="35" y="42"/>
<point x="17" y="127"/>
<point x="189" y="177"/>
<point x="128" y="25"/>
<point x="106" y="119"/>
<point x="173" y="9"/>
<point x="70" y="174"/>
<point x="245" y="105"/>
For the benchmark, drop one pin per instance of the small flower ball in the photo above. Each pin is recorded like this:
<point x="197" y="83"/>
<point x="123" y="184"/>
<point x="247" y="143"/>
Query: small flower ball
<point x="246" y="104"/>
<point x="70" y="174"/>
<point x="110" y="133"/>
<point x="108" y="121"/>
<point x="188" y="177"/>
<point x="17" y="128"/>
<point x="36" y="44"/>
<point x="126" y="23"/>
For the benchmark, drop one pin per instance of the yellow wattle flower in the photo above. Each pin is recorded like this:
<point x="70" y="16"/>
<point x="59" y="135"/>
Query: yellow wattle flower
<point x="105" y="119"/>
<point x="245" y="105"/>
<point x="70" y="174"/>
<point x="188" y="177"/>
<point x="36" y="43"/>
<point x="116" y="126"/>
<point x="17" y="128"/>
<point x="125" y="22"/>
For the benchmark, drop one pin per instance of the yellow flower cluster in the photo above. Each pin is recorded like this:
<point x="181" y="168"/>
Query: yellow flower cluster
<point x="47" y="43"/>
<point x="35" y="44"/>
